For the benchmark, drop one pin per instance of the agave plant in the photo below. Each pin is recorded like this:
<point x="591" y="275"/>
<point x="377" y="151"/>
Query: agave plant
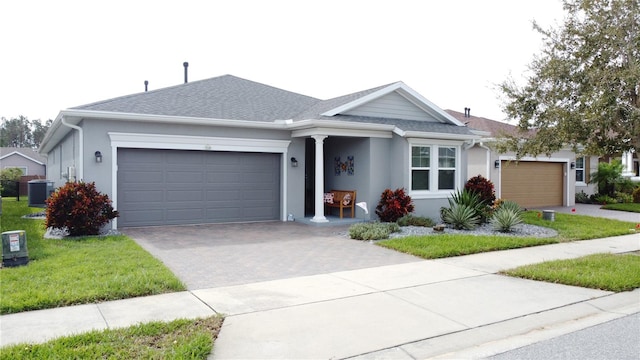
<point x="471" y="199"/>
<point x="506" y="218"/>
<point x="461" y="216"/>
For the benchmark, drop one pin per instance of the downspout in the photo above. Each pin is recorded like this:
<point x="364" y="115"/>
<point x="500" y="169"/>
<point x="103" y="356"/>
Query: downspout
<point x="80" y="170"/>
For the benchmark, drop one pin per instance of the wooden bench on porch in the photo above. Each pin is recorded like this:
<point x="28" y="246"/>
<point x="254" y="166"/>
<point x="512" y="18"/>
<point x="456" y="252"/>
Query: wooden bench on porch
<point x="341" y="199"/>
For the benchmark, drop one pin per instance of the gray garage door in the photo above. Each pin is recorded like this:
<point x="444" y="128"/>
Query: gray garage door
<point x="157" y="187"/>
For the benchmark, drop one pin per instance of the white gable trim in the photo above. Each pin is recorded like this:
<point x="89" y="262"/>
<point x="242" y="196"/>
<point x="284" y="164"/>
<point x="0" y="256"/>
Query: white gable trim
<point x="408" y="93"/>
<point x="23" y="155"/>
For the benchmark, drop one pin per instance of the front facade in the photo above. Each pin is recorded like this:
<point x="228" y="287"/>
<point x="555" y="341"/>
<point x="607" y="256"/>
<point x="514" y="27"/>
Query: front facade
<point x="231" y="150"/>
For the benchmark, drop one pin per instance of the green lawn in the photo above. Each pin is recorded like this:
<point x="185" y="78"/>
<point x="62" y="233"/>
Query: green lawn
<point x="180" y="339"/>
<point x="630" y="207"/>
<point x="76" y="271"/>
<point x="570" y="227"/>
<point x="599" y="271"/>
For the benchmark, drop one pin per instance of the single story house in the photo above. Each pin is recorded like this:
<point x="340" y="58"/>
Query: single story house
<point x="28" y="160"/>
<point x="226" y="149"/>
<point x="532" y="181"/>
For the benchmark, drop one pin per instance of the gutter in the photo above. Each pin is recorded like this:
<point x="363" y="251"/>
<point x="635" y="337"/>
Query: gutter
<point x="80" y="172"/>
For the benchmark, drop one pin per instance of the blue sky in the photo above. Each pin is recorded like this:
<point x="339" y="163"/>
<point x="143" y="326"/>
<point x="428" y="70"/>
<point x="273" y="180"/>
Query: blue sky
<point x="60" y="54"/>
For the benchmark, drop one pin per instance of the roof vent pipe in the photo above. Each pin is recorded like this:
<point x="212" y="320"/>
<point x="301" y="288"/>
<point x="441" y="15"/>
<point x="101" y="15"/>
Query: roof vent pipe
<point x="146" y="83"/>
<point x="186" y="65"/>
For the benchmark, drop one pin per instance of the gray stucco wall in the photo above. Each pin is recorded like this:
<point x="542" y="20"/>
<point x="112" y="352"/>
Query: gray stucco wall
<point x="295" y="178"/>
<point x="96" y="138"/>
<point x="63" y="156"/>
<point x="344" y="147"/>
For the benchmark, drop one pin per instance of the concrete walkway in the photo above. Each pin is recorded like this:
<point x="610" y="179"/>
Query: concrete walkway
<point x="450" y="308"/>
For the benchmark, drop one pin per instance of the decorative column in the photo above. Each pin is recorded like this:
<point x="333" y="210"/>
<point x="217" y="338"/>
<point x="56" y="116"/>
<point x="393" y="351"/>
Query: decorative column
<point x="319" y="195"/>
<point x="627" y="164"/>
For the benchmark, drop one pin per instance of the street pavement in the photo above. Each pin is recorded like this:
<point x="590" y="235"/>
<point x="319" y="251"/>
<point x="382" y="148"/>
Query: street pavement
<point x="616" y="339"/>
<point x="448" y="308"/>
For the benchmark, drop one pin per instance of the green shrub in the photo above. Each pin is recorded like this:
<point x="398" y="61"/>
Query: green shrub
<point x="393" y="205"/>
<point x="506" y="217"/>
<point x="460" y="216"/>
<point x="473" y="201"/>
<point x="607" y="176"/>
<point x="372" y="231"/>
<point x="411" y="220"/>
<point x="636" y="195"/>
<point x="80" y="208"/>
<point x="9" y="179"/>
<point x="483" y="187"/>
<point x="605" y="199"/>
<point x="582" y="198"/>
<point x="623" y="198"/>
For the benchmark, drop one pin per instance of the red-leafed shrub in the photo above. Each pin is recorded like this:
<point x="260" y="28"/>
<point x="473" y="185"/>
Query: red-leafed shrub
<point x="393" y="205"/>
<point x="483" y="187"/>
<point x="80" y="208"/>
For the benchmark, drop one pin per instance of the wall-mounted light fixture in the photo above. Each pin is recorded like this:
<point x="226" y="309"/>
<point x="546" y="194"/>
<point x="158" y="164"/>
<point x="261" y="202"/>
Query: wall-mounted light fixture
<point x="573" y="165"/>
<point x="496" y="164"/>
<point x="294" y="162"/>
<point x="98" y="155"/>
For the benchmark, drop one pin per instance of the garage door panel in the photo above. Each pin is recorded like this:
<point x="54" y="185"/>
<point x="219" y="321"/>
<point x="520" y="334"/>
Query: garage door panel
<point x="186" y="187"/>
<point x="533" y="183"/>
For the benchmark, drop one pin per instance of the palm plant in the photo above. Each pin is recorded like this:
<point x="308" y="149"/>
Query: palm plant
<point x="607" y="176"/>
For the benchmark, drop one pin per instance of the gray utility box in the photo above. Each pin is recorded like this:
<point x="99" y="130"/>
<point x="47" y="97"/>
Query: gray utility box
<point x="14" y="248"/>
<point x="39" y="191"/>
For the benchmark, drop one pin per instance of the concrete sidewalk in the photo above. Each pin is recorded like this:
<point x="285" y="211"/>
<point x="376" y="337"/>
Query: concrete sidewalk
<point x="454" y="307"/>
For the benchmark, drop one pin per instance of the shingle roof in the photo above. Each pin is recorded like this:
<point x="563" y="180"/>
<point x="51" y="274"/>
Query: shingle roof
<point x="223" y="97"/>
<point x="234" y="98"/>
<point x="495" y="128"/>
<point x="28" y="152"/>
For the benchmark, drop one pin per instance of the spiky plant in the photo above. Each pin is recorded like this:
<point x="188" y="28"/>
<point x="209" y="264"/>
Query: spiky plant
<point x="460" y="216"/>
<point x="506" y="218"/>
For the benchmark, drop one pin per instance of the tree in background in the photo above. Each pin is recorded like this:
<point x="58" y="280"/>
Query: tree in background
<point x="584" y="88"/>
<point x="22" y="132"/>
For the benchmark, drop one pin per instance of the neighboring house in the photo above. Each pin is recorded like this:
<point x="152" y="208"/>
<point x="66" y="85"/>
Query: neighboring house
<point x="228" y="149"/>
<point x="531" y="182"/>
<point x="28" y="160"/>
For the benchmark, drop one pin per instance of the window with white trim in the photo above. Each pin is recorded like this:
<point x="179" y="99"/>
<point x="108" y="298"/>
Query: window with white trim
<point x="420" y="167"/>
<point x="446" y="168"/>
<point x="580" y="175"/>
<point x="434" y="167"/>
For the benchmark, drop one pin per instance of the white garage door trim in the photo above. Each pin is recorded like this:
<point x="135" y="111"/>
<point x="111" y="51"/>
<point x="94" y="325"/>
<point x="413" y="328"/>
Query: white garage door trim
<point x="203" y="143"/>
<point x="567" y="186"/>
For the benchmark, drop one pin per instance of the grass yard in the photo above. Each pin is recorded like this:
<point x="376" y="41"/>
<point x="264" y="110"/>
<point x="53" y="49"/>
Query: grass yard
<point x="630" y="207"/>
<point x="570" y="227"/>
<point x="180" y="339"/>
<point x="76" y="271"/>
<point x="599" y="271"/>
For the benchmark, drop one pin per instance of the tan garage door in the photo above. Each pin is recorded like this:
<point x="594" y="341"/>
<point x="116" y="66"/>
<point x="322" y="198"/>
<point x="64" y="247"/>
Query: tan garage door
<point x="532" y="183"/>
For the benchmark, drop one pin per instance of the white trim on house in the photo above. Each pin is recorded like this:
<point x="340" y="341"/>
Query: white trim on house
<point x="202" y="143"/>
<point x="408" y="93"/>
<point x="433" y="135"/>
<point x="435" y="144"/>
<point x="23" y="155"/>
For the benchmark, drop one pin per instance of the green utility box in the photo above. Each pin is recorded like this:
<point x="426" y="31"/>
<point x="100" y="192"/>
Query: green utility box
<point x="14" y="248"/>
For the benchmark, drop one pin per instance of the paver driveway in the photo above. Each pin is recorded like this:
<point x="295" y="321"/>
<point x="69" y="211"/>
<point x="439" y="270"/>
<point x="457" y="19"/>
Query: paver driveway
<point x="215" y="255"/>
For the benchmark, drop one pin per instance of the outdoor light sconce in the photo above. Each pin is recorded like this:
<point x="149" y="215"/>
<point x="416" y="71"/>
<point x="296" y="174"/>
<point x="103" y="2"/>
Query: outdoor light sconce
<point x="573" y="165"/>
<point x="294" y="162"/>
<point x="496" y="164"/>
<point x="98" y="155"/>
